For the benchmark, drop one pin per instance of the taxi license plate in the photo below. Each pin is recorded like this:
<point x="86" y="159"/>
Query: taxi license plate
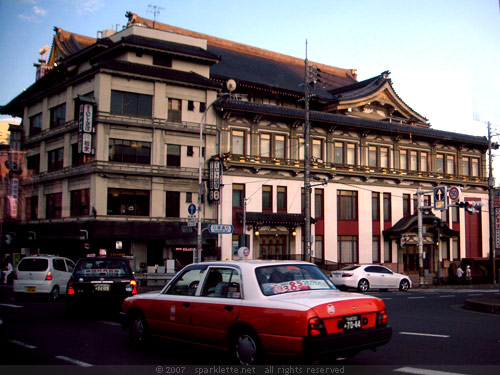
<point x="101" y="287"/>
<point x="352" y="322"/>
<point x="30" y="289"/>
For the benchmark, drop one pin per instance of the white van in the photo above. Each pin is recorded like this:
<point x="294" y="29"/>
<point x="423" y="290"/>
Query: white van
<point x="44" y="274"/>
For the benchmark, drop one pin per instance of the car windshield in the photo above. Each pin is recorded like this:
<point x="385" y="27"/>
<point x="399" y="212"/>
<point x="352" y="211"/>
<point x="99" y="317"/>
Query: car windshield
<point x="94" y="267"/>
<point x="286" y="278"/>
<point x="33" y="265"/>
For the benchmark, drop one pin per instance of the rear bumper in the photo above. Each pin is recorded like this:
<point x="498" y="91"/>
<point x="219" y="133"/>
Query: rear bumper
<point x="346" y="343"/>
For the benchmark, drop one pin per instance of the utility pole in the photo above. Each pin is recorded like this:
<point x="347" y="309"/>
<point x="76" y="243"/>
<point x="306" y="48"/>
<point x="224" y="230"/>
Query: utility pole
<point x="420" y="208"/>
<point x="307" y="166"/>
<point x="491" y="210"/>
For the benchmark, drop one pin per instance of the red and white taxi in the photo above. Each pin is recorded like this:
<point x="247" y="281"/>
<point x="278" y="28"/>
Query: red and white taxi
<point x="253" y="308"/>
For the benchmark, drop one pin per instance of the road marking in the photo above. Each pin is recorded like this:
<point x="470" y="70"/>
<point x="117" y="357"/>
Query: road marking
<point x="74" y="361"/>
<point x="423" y="371"/>
<point x="27" y="346"/>
<point x="423" y="334"/>
<point x="475" y="294"/>
<point x="9" y="305"/>
<point x="416" y="297"/>
<point x="386" y="298"/>
<point x="447" y="296"/>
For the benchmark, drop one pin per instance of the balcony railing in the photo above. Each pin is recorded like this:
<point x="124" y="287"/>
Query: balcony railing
<point x="321" y="166"/>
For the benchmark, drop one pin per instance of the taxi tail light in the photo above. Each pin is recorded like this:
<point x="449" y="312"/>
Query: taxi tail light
<point x="133" y="284"/>
<point x="382" y="318"/>
<point x="49" y="276"/>
<point x="347" y="274"/>
<point x="316" y="327"/>
<point x="70" y="289"/>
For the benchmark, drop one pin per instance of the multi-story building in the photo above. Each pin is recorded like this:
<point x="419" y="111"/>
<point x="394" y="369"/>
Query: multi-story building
<point x="125" y="182"/>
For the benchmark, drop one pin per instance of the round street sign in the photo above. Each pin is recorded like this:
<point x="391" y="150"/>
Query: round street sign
<point x="454" y="193"/>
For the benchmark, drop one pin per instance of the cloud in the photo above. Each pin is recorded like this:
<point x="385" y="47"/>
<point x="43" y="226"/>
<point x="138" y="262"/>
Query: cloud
<point x="35" y="16"/>
<point x="89" y="6"/>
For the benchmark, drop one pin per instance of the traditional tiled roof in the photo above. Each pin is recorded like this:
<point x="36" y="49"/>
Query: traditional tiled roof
<point x="410" y="222"/>
<point x="148" y="71"/>
<point x="356" y="122"/>
<point x="66" y="43"/>
<point x="187" y="51"/>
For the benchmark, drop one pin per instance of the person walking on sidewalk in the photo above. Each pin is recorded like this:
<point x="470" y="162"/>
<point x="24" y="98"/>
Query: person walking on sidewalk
<point x="460" y="274"/>
<point x="468" y="274"/>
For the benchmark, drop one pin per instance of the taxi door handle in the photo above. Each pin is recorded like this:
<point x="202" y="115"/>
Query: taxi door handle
<point x="229" y="308"/>
<point x="186" y="304"/>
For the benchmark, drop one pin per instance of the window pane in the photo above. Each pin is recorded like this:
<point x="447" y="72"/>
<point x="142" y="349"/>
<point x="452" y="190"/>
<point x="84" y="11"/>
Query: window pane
<point x="265" y="145"/>
<point x="238" y="143"/>
<point x="145" y="105"/>
<point x="423" y="161"/>
<point x="440" y="163"/>
<point x="351" y="154"/>
<point x="173" y="204"/>
<point x="339" y="153"/>
<point x="130" y="103"/>
<point x="279" y="147"/>
<point x="450" y="164"/>
<point x="372" y="156"/>
<point x="376" y="250"/>
<point x="403" y="157"/>
<point x="281" y="198"/>
<point x="267" y="202"/>
<point x="465" y="167"/>
<point x="317" y="149"/>
<point x="384" y="157"/>
<point x="173" y="155"/>
<point x="116" y="101"/>
<point x="375" y="206"/>
<point x="475" y="167"/>
<point x="413" y="160"/>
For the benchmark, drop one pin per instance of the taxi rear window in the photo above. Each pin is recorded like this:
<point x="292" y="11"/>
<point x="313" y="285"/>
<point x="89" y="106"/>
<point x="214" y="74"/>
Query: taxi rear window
<point x="102" y="268"/>
<point x="281" y="279"/>
<point x="33" y="265"/>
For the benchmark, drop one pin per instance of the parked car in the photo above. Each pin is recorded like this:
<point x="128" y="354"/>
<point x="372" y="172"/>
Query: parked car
<point x="254" y="308"/>
<point x="369" y="276"/>
<point x="100" y="282"/>
<point x="45" y="274"/>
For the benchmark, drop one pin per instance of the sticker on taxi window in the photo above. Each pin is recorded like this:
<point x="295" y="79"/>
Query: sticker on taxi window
<point x="297" y="285"/>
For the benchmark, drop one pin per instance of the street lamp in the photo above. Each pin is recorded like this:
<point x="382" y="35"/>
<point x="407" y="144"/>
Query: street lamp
<point x="231" y="85"/>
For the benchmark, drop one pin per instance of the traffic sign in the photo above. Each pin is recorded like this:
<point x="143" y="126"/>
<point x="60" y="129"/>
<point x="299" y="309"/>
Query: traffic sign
<point x="220" y="228"/>
<point x="440" y="199"/>
<point x="454" y="193"/>
<point x="192" y="221"/>
<point x="192" y="209"/>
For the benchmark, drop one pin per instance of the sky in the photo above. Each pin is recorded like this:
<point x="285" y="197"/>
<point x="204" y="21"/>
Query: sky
<point x="443" y="55"/>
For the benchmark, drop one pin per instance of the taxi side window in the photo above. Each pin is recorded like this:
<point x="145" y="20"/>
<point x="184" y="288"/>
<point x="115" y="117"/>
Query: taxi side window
<point x="222" y="283"/>
<point x="59" y="265"/>
<point x="187" y="283"/>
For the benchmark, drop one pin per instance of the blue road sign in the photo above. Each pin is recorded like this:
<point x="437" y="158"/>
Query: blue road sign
<point x="192" y="209"/>
<point x="220" y="228"/>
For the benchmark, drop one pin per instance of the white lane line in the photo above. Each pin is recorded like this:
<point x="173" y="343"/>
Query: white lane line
<point x="9" y="305"/>
<point x="24" y="345"/>
<point x="423" y="334"/>
<point x="416" y="297"/>
<point x="423" y="371"/>
<point x="74" y="361"/>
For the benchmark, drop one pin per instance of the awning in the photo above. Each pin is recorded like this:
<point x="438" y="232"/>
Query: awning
<point x="270" y="218"/>
<point x="410" y="223"/>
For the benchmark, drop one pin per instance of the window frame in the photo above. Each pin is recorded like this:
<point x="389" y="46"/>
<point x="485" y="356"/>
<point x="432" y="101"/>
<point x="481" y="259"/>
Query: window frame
<point x="57" y="116"/>
<point x="123" y="103"/>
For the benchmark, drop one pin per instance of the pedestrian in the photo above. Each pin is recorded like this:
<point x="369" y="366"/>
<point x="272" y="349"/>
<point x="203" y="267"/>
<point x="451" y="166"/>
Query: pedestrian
<point x="468" y="274"/>
<point x="6" y="271"/>
<point x="460" y="274"/>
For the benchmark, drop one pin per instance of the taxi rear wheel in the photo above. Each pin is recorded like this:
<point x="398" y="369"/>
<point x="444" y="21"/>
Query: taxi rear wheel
<point x="246" y="348"/>
<point x="54" y="294"/>
<point x="138" y="330"/>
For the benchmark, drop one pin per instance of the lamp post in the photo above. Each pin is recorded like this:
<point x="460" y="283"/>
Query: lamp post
<point x="201" y="187"/>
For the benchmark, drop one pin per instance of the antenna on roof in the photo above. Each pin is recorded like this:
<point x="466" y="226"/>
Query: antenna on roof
<point x="155" y="9"/>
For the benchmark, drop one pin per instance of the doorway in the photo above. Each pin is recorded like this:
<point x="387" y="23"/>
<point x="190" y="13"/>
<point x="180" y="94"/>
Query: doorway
<point x="273" y="247"/>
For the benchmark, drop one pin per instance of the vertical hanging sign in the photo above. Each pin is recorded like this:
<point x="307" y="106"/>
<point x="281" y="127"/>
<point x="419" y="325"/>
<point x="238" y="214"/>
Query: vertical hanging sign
<point x="85" y="128"/>
<point x="214" y="166"/>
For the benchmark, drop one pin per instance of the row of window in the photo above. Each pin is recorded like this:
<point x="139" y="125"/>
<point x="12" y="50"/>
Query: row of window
<point x="122" y="151"/>
<point x="345" y="153"/>
<point x="347" y="203"/>
<point x="122" y="103"/>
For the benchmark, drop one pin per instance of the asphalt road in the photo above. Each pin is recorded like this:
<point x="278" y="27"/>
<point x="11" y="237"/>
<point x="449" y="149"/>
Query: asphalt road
<point x="432" y="335"/>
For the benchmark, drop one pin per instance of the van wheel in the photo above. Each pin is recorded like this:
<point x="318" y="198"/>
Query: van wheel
<point x="54" y="294"/>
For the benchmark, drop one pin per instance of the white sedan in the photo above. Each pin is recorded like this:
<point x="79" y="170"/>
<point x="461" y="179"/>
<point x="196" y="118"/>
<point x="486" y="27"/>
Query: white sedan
<point x="369" y="276"/>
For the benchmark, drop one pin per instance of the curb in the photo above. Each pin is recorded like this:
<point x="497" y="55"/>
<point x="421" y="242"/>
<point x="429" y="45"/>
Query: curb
<point x="490" y="305"/>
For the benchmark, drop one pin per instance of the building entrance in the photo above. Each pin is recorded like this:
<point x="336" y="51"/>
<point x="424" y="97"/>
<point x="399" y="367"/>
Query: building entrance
<point x="273" y="247"/>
